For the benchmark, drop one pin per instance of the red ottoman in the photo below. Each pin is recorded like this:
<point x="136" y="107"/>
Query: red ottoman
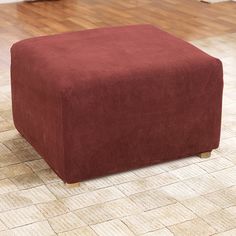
<point x="101" y="101"/>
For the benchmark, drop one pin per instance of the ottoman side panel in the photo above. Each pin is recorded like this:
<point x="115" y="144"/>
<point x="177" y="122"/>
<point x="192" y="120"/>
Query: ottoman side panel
<point x="125" y="122"/>
<point x="213" y="95"/>
<point x="202" y="121"/>
<point x="37" y="106"/>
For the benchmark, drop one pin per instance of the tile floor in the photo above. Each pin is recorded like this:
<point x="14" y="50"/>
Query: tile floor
<point x="189" y="197"/>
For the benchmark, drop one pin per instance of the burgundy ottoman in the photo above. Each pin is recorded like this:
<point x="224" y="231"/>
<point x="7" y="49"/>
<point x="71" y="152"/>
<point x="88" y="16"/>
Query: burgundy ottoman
<point x="102" y="101"/>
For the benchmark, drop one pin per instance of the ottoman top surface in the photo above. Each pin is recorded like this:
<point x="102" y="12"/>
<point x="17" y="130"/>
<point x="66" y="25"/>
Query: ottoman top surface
<point x="110" y="52"/>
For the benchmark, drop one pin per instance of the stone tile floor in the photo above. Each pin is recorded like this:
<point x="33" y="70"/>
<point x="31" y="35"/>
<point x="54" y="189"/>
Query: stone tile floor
<point x="191" y="196"/>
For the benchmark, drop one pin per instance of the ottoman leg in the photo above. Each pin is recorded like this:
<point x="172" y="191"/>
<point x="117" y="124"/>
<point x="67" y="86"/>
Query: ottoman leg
<point x="75" y="185"/>
<point x="204" y="154"/>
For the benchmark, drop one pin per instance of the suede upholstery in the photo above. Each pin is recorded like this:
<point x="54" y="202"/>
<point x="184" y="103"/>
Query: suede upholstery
<point x="102" y="101"/>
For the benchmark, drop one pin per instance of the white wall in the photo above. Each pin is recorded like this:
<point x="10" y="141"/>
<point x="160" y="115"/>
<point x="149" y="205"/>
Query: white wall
<point x="9" y="1"/>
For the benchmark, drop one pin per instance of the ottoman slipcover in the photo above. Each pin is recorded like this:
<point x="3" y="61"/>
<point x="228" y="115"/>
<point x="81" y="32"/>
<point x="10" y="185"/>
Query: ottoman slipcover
<point x="101" y="101"/>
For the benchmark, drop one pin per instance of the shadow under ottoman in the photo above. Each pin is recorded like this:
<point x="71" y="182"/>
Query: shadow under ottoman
<point x="101" y="101"/>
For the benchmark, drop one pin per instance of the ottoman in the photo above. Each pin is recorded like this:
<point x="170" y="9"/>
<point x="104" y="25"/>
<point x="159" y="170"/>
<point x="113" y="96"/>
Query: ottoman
<point x="102" y="101"/>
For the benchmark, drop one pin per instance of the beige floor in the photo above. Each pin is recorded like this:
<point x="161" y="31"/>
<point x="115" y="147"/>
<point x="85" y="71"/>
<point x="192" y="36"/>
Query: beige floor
<point x="188" y="197"/>
<point x="192" y="196"/>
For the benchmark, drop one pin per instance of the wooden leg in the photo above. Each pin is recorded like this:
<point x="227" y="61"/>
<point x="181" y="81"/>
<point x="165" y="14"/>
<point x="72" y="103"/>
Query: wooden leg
<point x="204" y="154"/>
<point x="74" y="185"/>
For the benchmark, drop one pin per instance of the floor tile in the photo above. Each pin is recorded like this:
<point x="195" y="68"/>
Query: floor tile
<point x="143" y="223"/>
<point x="224" y="197"/>
<point x="175" y="164"/>
<point x="173" y="214"/>
<point x="179" y="191"/>
<point x="60" y="190"/>
<point x="26" y="181"/>
<point x="227" y="175"/>
<point x="82" y="231"/>
<point x="37" y="195"/>
<point x="206" y="184"/>
<point x="37" y="165"/>
<point x="98" y="183"/>
<point x="221" y="220"/>
<point x="16" y="144"/>
<point x="122" y="177"/>
<point x="114" y="227"/>
<point x="215" y="164"/>
<point x="48" y="176"/>
<point x="37" y="229"/>
<point x="92" y="198"/>
<point x="231" y="232"/>
<point x="160" y="232"/>
<point x="147" y="183"/>
<point x="4" y="150"/>
<point x="65" y="222"/>
<point x="15" y="170"/>
<point x="152" y="199"/>
<point x="8" y="159"/>
<point x="200" y="206"/>
<point x="2" y="226"/>
<point x="28" y="154"/>
<point x="148" y="171"/>
<point x="22" y="216"/>
<point x="52" y="208"/>
<point x="7" y="186"/>
<point x="192" y="227"/>
<point x="188" y="172"/>
<point x="108" y="211"/>
<point x="13" y="200"/>
<point x="231" y="211"/>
